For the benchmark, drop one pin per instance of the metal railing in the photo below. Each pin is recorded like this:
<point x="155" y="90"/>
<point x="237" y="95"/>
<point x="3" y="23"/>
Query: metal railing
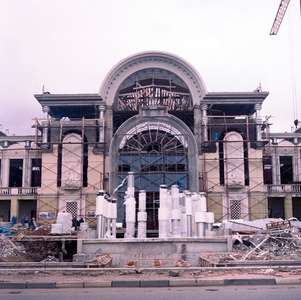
<point x="284" y="188"/>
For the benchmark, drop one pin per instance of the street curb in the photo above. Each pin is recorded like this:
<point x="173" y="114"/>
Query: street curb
<point x="40" y="285"/>
<point x="182" y="282"/>
<point x="12" y="285"/>
<point x="210" y="282"/>
<point x="152" y="283"/>
<point x="100" y="284"/>
<point x="253" y="281"/>
<point x="125" y="283"/>
<point x="64" y="285"/>
<point x="283" y="281"/>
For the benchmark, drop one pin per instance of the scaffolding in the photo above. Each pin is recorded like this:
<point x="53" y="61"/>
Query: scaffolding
<point x="158" y="157"/>
<point x="260" y="186"/>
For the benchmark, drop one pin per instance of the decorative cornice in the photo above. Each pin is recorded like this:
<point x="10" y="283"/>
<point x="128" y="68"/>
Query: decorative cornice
<point x="235" y="97"/>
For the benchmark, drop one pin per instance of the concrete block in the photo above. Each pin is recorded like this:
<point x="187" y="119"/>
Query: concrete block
<point x="209" y="282"/>
<point x="40" y="285"/>
<point x="125" y="283"/>
<point x="280" y="281"/>
<point x="251" y="281"/>
<point x="154" y="283"/>
<point x="63" y="285"/>
<point x="182" y="282"/>
<point x="101" y="284"/>
<point x="12" y="285"/>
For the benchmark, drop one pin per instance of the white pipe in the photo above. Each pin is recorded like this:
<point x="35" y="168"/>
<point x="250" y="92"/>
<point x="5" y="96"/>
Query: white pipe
<point x="176" y="212"/>
<point x="163" y="213"/>
<point x="203" y="202"/>
<point x="99" y="214"/>
<point x="130" y="216"/>
<point x="142" y="215"/>
<point x="188" y="206"/>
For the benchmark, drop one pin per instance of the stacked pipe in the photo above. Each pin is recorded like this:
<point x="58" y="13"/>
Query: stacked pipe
<point x="130" y="207"/>
<point x="163" y="213"/>
<point x="106" y="214"/>
<point x="185" y="214"/>
<point x="176" y="212"/>
<point x="142" y="215"/>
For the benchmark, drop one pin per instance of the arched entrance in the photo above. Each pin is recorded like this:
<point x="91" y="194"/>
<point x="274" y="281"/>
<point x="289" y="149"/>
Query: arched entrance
<point x="159" y="149"/>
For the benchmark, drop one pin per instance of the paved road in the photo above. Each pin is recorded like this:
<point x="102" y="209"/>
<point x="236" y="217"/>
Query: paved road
<point x="208" y="293"/>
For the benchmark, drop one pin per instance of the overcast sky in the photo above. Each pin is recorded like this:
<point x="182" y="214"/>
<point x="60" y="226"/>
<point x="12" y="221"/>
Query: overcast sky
<point x="70" y="45"/>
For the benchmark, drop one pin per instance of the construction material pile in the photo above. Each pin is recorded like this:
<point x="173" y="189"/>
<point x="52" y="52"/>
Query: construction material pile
<point x="9" y="250"/>
<point x="280" y="240"/>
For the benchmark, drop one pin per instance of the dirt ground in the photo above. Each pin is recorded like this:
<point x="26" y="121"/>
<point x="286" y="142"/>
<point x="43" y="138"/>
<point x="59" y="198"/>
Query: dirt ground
<point x="95" y="276"/>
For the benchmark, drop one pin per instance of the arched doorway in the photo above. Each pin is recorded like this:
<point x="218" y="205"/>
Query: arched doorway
<point x="159" y="150"/>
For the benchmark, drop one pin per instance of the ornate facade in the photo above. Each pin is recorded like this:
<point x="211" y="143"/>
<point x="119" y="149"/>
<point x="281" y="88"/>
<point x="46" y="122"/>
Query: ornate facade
<point x="152" y="116"/>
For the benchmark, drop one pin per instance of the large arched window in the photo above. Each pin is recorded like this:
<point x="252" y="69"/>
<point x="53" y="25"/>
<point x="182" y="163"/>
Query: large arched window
<point x="157" y="154"/>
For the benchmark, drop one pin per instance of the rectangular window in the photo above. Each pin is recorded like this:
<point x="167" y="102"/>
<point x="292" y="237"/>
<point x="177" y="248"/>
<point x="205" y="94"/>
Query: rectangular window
<point x="297" y="207"/>
<point x="15" y="172"/>
<point x="36" y="166"/>
<point x="286" y="169"/>
<point x="267" y="170"/>
<point x="276" y="207"/>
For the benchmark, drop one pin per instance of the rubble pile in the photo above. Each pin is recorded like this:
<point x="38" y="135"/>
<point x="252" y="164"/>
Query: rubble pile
<point x="50" y="258"/>
<point x="277" y="240"/>
<point x="39" y="250"/>
<point x="41" y="230"/>
<point x="9" y="250"/>
<point x="280" y="240"/>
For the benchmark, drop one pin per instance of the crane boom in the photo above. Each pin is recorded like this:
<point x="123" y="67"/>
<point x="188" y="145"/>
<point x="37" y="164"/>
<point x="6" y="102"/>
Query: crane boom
<point x="279" y="16"/>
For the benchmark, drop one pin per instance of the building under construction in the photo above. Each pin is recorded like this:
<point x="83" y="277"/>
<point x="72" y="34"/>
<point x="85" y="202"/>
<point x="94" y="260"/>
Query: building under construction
<point x="152" y="116"/>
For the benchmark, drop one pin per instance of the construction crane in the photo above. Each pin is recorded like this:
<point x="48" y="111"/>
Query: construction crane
<point x="280" y="15"/>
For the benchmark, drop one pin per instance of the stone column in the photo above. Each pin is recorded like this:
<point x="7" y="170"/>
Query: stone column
<point x="5" y="172"/>
<point x="108" y="132"/>
<point x="101" y="137"/>
<point x="26" y="169"/>
<point x="288" y="207"/>
<point x="204" y="108"/>
<point x="14" y="207"/>
<point x="275" y="166"/>
<point x="297" y="164"/>
<point x="258" y="121"/>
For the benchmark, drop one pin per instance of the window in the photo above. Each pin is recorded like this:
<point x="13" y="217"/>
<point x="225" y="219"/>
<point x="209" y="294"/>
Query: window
<point x="267" y="170"/>
<point x="36" y="165"/>
<point x="15" y="172"/>
<point x="286" y="169"/>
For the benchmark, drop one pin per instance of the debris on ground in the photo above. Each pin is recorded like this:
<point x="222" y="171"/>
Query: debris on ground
<point x="278" y="240"/>
<point x="131" y="264"/>
<point x="182" y="263"/>
<point x="50" y="258"/>
<point x="104" y="260"/>
<point x="9" y="251"/>
<point x="157" y="263"/>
